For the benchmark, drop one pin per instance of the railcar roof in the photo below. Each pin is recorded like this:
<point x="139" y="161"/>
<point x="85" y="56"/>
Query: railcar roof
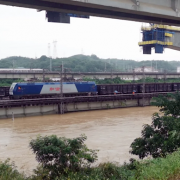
<point x="51" y="83"/>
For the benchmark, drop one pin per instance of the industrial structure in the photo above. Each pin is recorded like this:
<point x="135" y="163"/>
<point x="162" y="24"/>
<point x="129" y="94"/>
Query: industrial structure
<point x="160" y="37"/>
<point x="154" y="11"/>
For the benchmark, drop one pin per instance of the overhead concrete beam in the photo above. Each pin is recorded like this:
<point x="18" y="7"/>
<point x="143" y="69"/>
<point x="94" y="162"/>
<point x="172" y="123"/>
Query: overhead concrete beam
<point x="175" y="5"/>
<point x="154" y="11"/>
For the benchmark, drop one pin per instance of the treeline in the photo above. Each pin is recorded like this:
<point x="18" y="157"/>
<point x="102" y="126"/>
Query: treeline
<point x="8" y="82"/>
<point x="82" y="63"/>
<point x="118" y="80"/>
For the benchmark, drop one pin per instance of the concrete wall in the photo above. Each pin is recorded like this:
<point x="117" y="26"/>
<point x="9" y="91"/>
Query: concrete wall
<point x="71" y="107"/>
<point x="28" y="111"/>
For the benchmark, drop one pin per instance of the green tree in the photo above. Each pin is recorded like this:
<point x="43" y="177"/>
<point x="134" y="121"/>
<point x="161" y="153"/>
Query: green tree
<point x="163" y="135"/>
<point x="59" y="155"/>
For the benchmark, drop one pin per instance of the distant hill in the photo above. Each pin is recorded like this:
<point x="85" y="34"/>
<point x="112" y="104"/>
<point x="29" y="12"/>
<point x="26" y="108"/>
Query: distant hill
<point x="82" y="63"/>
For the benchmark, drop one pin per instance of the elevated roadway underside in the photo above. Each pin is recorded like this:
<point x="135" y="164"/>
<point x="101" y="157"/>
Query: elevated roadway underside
<point x="154" y="11"/>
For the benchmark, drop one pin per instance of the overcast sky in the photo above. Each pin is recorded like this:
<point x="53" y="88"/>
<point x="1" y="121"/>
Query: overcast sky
<point x="26" y="32"/>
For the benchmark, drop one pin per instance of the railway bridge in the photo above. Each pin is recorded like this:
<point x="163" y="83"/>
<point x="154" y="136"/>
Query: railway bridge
<point x="42" y="106"/>
<point x="92" y="75"/>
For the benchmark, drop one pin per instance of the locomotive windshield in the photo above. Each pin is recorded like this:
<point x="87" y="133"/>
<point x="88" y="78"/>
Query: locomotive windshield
<point x="11" y="88"/>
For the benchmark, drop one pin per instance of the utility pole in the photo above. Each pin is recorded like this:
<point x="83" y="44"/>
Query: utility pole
<point x="134" y="76"/>
<point x="49" y="55"/>
<point x="61" y="88"/>
<point x="165" y="76"/>
<point x="105" y="67"/>
<point x="44" y="71"/>
<point x="61" y="104"/>
<point x="55" y="50"/>
<point x="50" y="64"/>
<point x="65" y="71"/>
<point x="143" y="88"/>
<point x="156" y="66"/>
<point x="43" y="75"/>
<point x="13" y="64"/>
<point x="61" y="78"/>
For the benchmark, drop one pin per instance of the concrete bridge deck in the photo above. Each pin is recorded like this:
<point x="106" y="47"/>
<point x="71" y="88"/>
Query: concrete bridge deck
<point x="80" y="75"/>
<point x="154" y="11"/>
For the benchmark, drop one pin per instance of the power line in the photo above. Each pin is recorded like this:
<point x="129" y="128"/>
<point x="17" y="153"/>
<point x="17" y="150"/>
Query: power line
<point x="55" y="50"/>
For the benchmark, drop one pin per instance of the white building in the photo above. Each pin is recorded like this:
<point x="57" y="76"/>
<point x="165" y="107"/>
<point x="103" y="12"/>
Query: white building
<point x="178" y="69"/>
<point x="146" y="69"/>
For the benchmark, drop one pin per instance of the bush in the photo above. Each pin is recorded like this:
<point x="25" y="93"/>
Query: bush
<point x="163" y="135"/>
<point x="60" y="155"/>
<point x="8" y="171"/>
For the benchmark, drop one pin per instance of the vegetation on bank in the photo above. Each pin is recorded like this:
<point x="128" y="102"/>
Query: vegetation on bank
<point x="8" y="82"/>
<point x="118" y="80"/>
<point x="167" y="168"/>
<point x="82" y="63"/>
<point x="62" y="158"/>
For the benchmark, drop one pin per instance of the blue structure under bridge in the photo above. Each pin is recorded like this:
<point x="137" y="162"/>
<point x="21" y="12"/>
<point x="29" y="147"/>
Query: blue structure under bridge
<point x="157" y="37"/>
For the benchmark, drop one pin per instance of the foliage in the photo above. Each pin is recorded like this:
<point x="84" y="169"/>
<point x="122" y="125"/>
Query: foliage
<point x="170" y="105"/>
<point x="163" y="135"/>
<point x="8" y="82"/>
<point x="116" y="80"/>
<point x="167" y="168"/>
<point x="8" y="171"/>
<point x="82" y="63"/>
<point x="60" y="155"/>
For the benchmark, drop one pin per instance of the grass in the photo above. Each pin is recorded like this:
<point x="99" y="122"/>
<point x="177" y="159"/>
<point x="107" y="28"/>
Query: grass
<point x="8" y="171"/>
<point x="156" y="169"/>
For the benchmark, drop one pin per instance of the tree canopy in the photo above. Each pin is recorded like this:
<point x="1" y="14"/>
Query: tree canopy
<point x="84" y="63"/>
<point x="163" y="135"/>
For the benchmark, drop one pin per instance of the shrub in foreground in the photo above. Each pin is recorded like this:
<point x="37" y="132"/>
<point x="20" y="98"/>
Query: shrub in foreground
<point x="167" y="168"/>
<point x="163" y="135"/>
<point x="58" y="155"/>
<point x="8" y="171"/>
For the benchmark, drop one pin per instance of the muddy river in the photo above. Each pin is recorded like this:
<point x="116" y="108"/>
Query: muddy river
<point x="109" y="131"/>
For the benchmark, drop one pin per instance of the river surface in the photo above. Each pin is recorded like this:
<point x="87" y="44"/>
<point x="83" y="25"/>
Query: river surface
<point x="109" y="131"/>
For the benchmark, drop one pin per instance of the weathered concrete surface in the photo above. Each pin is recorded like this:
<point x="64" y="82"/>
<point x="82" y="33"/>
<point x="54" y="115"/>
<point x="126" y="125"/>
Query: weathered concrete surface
<point x="157" y="11"/>
<point x="70" y="107"/>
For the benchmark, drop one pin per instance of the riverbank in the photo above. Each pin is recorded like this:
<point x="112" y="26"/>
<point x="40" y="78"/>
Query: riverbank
<point x="157" y="169"/>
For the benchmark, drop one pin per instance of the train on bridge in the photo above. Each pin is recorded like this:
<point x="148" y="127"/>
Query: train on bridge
<point x="70" y="89"/>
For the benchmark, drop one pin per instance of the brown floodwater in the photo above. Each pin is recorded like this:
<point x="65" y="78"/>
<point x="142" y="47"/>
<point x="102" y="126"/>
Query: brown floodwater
<point x="109" y="131"/>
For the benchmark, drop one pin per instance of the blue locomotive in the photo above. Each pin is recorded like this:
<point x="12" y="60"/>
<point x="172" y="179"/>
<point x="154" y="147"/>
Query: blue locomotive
<point x="22" y="90"/>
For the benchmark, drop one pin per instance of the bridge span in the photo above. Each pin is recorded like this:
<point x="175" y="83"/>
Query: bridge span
<point x="92" y="75"/>
<point x="154" y="11"/>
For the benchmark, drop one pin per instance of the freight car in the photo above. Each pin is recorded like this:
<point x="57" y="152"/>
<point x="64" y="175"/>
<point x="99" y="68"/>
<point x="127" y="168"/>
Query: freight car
<point x="36" y="90"/>
<point x="105" y="89"/>
<point x="4" y="91"/>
